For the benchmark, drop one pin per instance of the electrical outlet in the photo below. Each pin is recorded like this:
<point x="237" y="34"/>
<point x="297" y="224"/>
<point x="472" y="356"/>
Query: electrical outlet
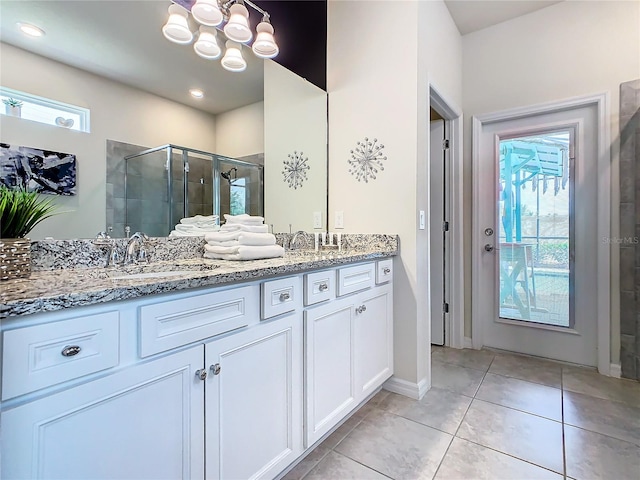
<point x="317" y="219"/>
<point x="339" y="220"/>
<point x="422" y="220"/>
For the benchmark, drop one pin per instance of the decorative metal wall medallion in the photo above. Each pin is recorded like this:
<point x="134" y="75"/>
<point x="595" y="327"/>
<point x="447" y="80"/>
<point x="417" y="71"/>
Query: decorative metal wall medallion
<point x="295" y="169"/>
<point x="366" y="160"/>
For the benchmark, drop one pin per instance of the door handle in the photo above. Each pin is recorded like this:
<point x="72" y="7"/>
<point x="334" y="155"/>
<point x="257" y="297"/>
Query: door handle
<point x="489" y="248"/>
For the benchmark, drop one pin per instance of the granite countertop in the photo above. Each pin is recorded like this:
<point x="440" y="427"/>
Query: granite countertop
<point x="50" y="290"/>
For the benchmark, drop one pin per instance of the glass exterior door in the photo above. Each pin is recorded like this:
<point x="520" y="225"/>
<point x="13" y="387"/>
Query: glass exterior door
<point x="535" y="189"/>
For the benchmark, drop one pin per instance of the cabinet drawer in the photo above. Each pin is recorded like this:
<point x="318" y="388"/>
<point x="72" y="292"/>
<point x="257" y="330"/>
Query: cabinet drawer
<point x="280" y="296"/>
<point x="356" y="278"/>
<point x="171" y="324"/>
<point x="319" y="286"/>
<point x="44" y="355"/>
<point x="384" y="271"/>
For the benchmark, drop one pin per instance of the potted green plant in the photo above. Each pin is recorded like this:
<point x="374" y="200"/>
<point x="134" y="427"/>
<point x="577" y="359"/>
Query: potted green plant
<point x="13" y="107"/>
<point x="20" y="211"/>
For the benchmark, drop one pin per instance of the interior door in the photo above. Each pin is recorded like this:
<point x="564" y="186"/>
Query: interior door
<point x="536" y="236"/>
<point x="436" y="230"/>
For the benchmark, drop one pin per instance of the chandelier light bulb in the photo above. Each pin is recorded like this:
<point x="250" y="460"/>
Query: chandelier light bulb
<point x="264" y="45"/>
<point x="177" y="27"/>
<point x="237" y="28"/>
<point x="207" y="45"/>
<point x="233" y="60"/>
<point x="207" y="12"/>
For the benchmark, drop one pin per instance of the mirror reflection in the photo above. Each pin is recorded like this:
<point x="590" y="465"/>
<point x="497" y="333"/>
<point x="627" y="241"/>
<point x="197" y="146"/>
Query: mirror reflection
<point x="136" y="85"/>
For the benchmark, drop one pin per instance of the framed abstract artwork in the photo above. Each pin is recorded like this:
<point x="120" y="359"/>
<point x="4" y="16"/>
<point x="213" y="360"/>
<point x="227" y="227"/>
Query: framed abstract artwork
<point x="37" y="170"/>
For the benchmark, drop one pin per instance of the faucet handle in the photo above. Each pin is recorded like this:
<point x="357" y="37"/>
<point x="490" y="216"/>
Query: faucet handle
<point x="114" y="256"/>
<point x="143" y="257"/>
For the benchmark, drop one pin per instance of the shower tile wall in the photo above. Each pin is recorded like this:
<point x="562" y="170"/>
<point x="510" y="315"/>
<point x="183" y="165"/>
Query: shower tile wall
<point x="147" y="190"/>
<point x="200" y="186"/>
<point x="630" y="229"/>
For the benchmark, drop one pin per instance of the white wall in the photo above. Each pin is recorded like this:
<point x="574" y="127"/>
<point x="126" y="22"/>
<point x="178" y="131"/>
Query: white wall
<point x="565" y="50"/>
<point x="118" y="113"/>
<point x="295" y="121"/>
<point x="240" y="132"/>
<point x="381" y="56"/>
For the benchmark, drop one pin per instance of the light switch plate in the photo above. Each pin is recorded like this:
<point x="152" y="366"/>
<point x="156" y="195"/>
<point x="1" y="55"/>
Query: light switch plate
<point x="422" y="220"/>
<point x="339" y="221"/>
<point x="317" y="219"/>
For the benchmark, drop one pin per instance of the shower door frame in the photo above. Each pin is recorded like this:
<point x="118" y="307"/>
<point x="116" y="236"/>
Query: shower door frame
<point x="215" y="165"/>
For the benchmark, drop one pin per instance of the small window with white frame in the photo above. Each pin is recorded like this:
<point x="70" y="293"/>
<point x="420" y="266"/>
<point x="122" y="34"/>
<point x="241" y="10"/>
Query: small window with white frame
<point x="44" y="110"/>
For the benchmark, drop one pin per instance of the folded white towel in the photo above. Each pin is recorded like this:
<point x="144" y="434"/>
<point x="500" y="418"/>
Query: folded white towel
<point x="176" y="233"/>
<point x="237" y="227"/>
<point x="256" y="239"/>
<point x="222" y="236"/>
<point x="200" y="219"/>
<point x="194" y="228"/>
<point x="244" y="219"/>
<point x="250" y="253"/>
<point x="221" y="250"/>
<point x="192" y="231"/>
<point x="228" y="243"/>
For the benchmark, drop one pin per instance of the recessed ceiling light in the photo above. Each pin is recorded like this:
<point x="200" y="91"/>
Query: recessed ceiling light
<point x="196" y="93"/>
<point x="30" y="30"/>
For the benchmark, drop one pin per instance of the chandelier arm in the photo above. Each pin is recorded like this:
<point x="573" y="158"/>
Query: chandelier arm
<point x="226" y="5"/>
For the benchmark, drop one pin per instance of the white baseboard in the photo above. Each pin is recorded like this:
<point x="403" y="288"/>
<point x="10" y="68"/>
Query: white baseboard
<point x="408" y="389"/>
<point x="468" y="343"/>
<point x="615" y="370"/>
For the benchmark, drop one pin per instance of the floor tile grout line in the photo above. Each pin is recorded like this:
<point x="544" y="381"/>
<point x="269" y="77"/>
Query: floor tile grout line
<point x="634" y="443"/>
<point x="443" y="457"/>
<point x="360" y="463"/>
<point x="521" y="411"/>
<point x="523" y="380"/>
<point x="495" y="450"/>
<point x="509" y="455"/>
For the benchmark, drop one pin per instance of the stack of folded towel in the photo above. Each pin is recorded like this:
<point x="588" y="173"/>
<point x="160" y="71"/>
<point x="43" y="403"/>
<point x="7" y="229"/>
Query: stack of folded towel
<point x="242" y="237"/>
<point x="196" y="226"/>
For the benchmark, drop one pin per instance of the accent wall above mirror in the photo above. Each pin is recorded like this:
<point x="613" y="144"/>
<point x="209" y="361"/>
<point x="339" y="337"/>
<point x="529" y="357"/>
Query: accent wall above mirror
<point x="110" y="57"/>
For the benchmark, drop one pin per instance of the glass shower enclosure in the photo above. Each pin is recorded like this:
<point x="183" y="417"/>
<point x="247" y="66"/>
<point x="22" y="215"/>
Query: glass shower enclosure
<point x="167" y="183"/>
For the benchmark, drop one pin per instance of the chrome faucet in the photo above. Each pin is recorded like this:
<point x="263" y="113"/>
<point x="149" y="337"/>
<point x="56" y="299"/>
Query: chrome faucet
<point x="104" y="239"/>
<point x="294" y="239"/>
<point x="136" y="251"/>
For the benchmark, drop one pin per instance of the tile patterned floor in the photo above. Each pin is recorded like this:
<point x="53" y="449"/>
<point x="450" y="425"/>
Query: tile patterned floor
<point x="490" y="415"/>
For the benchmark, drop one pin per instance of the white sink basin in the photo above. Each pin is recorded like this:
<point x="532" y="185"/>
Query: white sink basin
<point x="135" y="276"/>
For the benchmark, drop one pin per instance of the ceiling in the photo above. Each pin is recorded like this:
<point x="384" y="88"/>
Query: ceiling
<point x="472" y="15"/>
<point x="122" y="40"/>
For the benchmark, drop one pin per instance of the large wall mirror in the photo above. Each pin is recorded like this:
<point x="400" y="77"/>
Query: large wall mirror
<point x="262" y="131"/>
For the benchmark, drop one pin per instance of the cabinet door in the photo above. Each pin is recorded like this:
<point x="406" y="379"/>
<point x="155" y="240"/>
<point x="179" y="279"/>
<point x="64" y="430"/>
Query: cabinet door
<point x="373" y="340"/>
<point x="254" y="402"/>
<point x="329" y="382"/>
<point x="145" y="422"/>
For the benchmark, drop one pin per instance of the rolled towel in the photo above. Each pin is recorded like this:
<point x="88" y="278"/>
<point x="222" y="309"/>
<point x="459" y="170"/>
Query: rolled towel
<point x="221" y="250"/>
<point x="244" y="219"/>
<point x="256" y="239"/>
<point x="250" y="253"/>
<point x="237" y="227"/>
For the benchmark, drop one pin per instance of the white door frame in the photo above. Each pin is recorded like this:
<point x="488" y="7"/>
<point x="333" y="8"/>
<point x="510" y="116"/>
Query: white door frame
<point x="454" y="335"/>
<point x="601" y="102"/>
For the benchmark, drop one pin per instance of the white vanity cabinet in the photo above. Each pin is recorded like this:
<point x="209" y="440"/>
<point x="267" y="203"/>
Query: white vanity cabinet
<point x="254" y="400"/>
<point x="348" y="350"/>
<point x="143" y="422"/>
<point x="231" y="382"/>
